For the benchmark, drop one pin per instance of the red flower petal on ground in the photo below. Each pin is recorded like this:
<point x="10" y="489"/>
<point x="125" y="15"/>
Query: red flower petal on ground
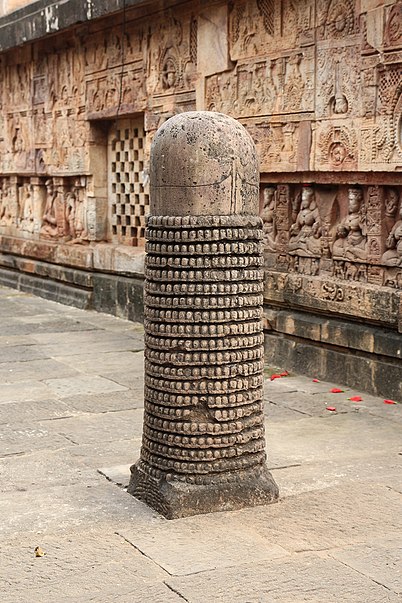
<point x="336" y="390"/>
<point x="390" y="402"/>
<point x="331" y="408"/>
<point x="316" y="380"/>
<point x="275" y="377"/>
<point x="284" y="374"/>
<point x="356" y="399"/>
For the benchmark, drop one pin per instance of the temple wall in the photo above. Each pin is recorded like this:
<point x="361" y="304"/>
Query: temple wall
<point x="318" y="84"/>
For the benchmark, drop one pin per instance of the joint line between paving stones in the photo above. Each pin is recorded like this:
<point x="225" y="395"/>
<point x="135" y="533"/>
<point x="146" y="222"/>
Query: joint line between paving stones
<point x="69" y="439"/>
<point x="284" y="467"/>
<point x="142" y="552"/>
<point x="175" y="591"/>
<point x="393" y="489"/>
<point x="365" y="575"/>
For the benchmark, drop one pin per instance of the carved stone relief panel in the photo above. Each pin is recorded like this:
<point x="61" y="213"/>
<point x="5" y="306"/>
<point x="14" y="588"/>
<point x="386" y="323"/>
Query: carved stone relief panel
<point x="172" y="54"/>
<point x="258" y="27"/>
<point x="336" y="19"/>
<point x="339" y="232"/>
<point x="337" y="146"/>
<point x="274" y="86"/>
<point x="338" y="73"/>
<point x="276" y="142"/>
<point x="393" y="26"/>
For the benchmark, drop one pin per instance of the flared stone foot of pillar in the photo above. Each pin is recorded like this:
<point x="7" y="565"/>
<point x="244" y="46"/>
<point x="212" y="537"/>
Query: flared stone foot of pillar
<point x="175" y="499"/>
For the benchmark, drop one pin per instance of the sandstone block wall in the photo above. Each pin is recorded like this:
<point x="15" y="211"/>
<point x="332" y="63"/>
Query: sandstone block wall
<point x="318" y="84"/>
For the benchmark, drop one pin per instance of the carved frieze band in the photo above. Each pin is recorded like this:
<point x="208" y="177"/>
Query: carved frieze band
<point x="57" y="209"/>
<point x="352" y="233"/>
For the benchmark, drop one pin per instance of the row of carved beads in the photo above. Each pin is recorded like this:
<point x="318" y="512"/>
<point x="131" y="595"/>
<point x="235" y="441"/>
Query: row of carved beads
<point x="202" y="330"/>
<point x="202" y="288"/>
<point x="205" y="386"/>
<point x="203" y="262"/>
<point x="187" y="400"/>
<point x="185" y="222"/>
<point x="199" y="448"/>
<point x="236" y="301"/>
<point x="204" y="358"/>
<point x="202" y="479"/>
<point x="205" y="249"/>
<point x="242" y="274"/>
<point x="224" y="343"/>
<point x="211" y="372"/>
<point x="192" y="430"/>
<point x="202" y="235"/>
<point x="205" y="316"/>
<point x="237" y="458"/>
<point x="230" y="414"/>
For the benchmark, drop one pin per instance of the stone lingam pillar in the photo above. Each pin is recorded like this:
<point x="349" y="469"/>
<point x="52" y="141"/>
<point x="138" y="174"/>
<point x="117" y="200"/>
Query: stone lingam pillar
<point x="203" y="446"/>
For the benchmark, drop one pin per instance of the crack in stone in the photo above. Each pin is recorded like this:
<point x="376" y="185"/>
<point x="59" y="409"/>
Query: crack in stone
<point x="365" y="575"/>
<point x="175" y="591"/>
<point x="142" y="552"/>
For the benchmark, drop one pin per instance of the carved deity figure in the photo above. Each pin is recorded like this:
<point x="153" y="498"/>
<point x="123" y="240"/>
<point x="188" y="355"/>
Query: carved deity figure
<point x="76" y="218"/>
<point x="49" y="223"/>
<point x="393" y="255"/>
<point x="4" y="209"/>
<point x="27" y="221"/>
<point x="351" y="238"/>
<point x="391" y="202"/>
<point x="306" y="231"/>
<point x="8" y="205"/>
<point x="268" y="218"/>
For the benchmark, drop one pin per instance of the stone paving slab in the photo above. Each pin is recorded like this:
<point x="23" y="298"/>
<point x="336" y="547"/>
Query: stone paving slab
<point x="21" y="353"/>
<point x="69" y="555"/>
<point x="329" y="518"/>
<point x="22" y="438"/>
<point x="192" y="546"/>
<point x="303" y="578"/>
<point x="104" y="427"/>
<point x="67" y="440"/>
<point x="382" y="468"/>
<point x="63" y="508"/>
<point x="330" y="437"/>
<point x="134" y="380"/>
<point x="34" y="370"/>
<point x="381" y="561"/>
<point x="82" y="384"/>
<point x="31" y="411"/>
<point x="102" y="362"/>
<point x="40" y="468"/>
<point x="107" y="454"/>
<point x="120" y="343"/>
<point x="24" y="391"/>
<point x="126" y="399"/>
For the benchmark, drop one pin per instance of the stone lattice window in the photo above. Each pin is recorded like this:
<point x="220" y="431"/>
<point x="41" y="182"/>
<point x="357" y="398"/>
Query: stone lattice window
<point x="128" y="197"/>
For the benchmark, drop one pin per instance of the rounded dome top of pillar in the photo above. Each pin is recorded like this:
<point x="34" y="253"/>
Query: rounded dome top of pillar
<point x="203" y="163"/>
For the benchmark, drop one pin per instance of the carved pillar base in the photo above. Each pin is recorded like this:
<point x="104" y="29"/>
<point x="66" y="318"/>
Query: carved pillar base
<point x="175" y="499"/>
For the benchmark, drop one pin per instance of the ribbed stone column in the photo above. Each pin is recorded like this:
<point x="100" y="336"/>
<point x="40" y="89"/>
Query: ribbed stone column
<point x="203" y="446"/>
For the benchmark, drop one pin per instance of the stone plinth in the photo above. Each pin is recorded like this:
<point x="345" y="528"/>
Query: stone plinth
<point x="203" y="443"/>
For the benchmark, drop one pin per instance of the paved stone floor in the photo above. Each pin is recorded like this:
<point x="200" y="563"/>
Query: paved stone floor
<point x="70" y="425"/>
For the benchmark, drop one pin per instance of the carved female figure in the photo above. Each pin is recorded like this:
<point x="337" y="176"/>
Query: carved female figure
<point x="268" y="218"/>
<point x="49" y="225"/>
<point x="305" y="233"/>
<point x="393" y="255"/>
<point x="26" y="208"/>
<point x="351" y="241"/>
